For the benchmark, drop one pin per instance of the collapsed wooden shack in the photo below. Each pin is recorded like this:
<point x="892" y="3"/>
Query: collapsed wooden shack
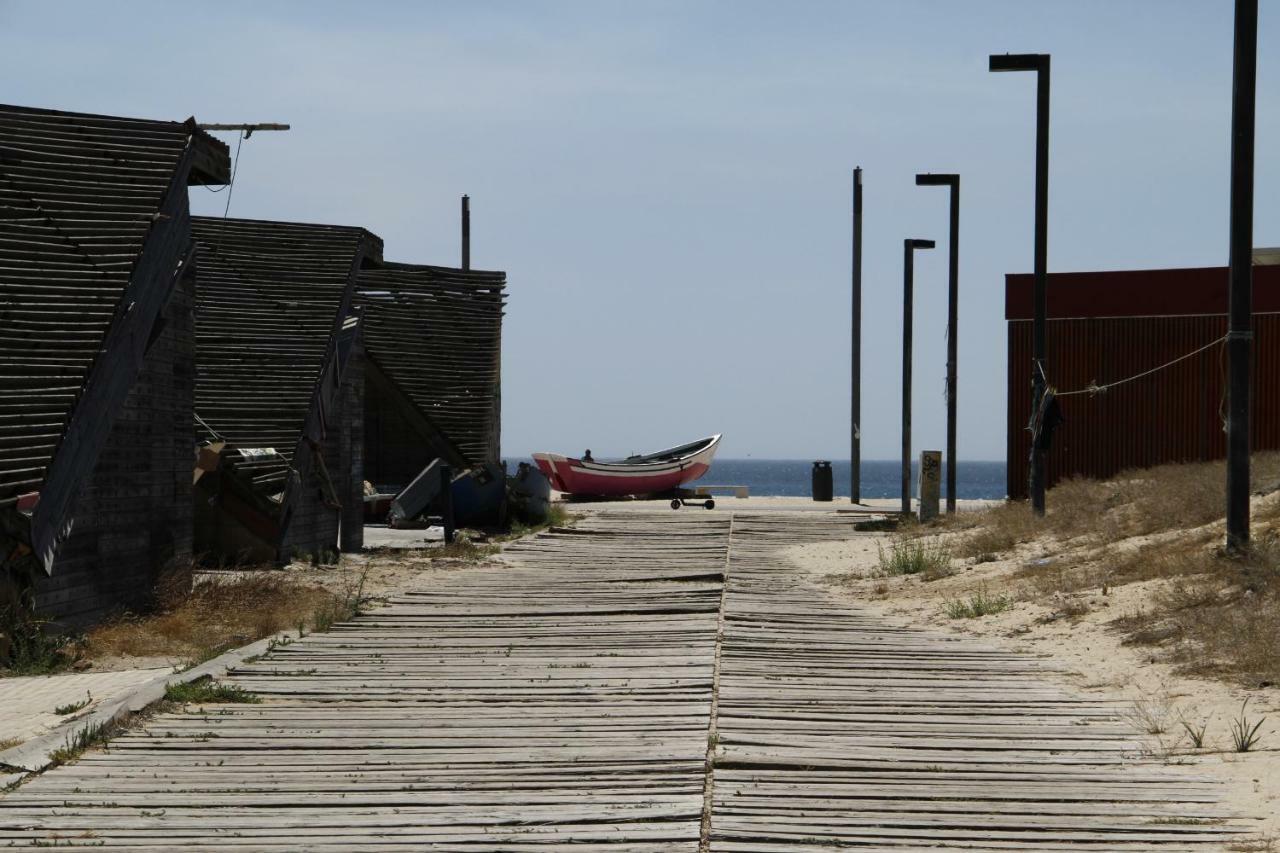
<point x="96" y="286"/>
<point x="433" y="348"/>
<point x="277" y="408"/>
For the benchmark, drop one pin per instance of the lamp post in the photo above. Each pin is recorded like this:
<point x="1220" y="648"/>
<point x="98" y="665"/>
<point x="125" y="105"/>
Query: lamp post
<point x="466" y="232"/>
<point x="855" y="396"/>
<point x="953" y="320"/>
<point x="1240" y="319"/>
<point x="909" y="246"/>
<point x="1039" y="63"/>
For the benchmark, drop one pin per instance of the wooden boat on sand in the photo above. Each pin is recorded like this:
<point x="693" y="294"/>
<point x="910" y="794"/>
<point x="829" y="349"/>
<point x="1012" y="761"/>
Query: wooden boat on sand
<point x="642" y="474"/>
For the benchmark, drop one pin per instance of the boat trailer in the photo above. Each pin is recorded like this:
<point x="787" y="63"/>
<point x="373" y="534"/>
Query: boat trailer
<point x="688" y="497"/>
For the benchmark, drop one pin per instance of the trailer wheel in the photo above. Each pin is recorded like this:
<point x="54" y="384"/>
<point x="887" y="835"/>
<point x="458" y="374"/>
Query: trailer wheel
<point x="675" y="503"/>
<point x="710" y="504"/>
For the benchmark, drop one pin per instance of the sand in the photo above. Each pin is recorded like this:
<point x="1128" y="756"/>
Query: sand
<point x="1087" y="646"/>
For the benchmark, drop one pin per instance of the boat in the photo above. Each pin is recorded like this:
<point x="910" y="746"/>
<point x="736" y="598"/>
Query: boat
<point x="642" y="474"/>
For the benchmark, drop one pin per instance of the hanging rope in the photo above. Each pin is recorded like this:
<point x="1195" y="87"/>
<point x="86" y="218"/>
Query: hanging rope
<point x="1094" y="388"/>
<point x="230" y="188"/>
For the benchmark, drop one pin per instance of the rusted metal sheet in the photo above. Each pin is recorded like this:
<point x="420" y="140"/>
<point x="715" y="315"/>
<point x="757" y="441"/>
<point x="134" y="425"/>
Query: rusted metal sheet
<point x="1173" y="415"/>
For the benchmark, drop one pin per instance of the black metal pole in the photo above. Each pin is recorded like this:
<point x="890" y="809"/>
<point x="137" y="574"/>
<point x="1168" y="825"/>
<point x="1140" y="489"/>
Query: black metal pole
<point x="1240" y="321"/>
<point x="908" y="279"/>
<point x="466" y="232"/>
<point x="908" y="273"/>
<point x="1042" y="273"/>
<point x="1038" y="62"/>
<point x="953" y="323"/>
<point x="855" y="419"/>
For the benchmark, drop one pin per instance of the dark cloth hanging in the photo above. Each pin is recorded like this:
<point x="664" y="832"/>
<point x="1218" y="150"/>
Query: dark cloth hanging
<point x="1045" y="420"/>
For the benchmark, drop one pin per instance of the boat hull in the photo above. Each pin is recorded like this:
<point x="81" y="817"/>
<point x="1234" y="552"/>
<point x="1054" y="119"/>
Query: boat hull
<point x="614" y="479"/>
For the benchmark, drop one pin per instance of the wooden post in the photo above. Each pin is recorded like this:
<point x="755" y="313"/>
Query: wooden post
<point x="446" y="501"/>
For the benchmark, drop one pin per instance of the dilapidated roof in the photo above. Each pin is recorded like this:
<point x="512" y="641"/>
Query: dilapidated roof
<point x="436" y="333"/>
<point x="270" y="299"/>
<point x="79" y="197"/>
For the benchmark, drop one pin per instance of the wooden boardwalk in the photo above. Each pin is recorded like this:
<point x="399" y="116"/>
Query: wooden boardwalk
<point x="837" y="729"/>
<point x="569" y="700"/>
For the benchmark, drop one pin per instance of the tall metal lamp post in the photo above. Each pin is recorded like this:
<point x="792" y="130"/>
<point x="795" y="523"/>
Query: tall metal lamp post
<point x="953" y="320"/>
<point x="855" y="397"/>
<point x="466" y="232"/>
<point x="1240" y="319"/>
<point x="909" y="246"/>
<point x="1039" y="63"/>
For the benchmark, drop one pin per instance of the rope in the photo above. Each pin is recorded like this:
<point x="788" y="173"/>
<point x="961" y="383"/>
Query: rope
<point x="231" y="186"/>
<point x="235" y="164"/>
<point x="1094" y="388"/>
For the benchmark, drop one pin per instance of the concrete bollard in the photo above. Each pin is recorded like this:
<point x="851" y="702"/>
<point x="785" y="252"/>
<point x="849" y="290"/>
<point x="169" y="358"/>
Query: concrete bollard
<point x="930" y="488"/>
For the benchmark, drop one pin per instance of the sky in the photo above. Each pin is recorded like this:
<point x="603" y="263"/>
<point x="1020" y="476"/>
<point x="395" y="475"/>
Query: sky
<point x="667" y="184"/>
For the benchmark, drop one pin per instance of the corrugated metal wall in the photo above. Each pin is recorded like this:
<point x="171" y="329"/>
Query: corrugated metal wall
<point x="1170" y="416"/>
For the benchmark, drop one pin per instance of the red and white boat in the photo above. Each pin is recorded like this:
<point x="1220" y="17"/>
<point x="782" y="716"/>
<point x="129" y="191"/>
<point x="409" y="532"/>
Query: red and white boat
<point x="643" y="474"/>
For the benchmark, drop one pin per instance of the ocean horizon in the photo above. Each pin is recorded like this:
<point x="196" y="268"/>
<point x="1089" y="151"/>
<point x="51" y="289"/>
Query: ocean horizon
<point x="976" y="480"/>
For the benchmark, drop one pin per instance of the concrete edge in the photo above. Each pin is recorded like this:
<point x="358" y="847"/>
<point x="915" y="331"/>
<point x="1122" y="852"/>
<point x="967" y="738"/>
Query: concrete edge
<point x="34" y="755"/>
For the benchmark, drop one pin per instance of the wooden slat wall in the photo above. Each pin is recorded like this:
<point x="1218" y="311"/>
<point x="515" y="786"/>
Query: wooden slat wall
<point x="270" y="305"/>
<point x="436" y="334"/>
<point x="133" y="517"/>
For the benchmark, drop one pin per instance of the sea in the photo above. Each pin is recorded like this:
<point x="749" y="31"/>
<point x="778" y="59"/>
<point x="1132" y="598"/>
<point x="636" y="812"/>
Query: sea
<point x="881" y="478"/>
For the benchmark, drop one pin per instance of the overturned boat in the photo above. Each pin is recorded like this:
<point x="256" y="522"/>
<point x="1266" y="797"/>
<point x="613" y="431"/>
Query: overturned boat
<point x="642" y="474"/>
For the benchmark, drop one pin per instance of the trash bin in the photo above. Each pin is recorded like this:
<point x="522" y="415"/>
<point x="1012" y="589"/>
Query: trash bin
<point x="822" y="480"/>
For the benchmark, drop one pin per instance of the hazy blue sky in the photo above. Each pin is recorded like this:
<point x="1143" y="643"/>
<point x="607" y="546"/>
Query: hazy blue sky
<point x="667" y="183"/>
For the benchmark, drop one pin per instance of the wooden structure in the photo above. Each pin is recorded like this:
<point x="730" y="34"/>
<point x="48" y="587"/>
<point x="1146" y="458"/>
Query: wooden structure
<point x="277" y="400"/>
<point x="641" y="683"/>
<point x="1108" y="326"/>
<point x="96" y="281"/>
<point x="433" y="345"/>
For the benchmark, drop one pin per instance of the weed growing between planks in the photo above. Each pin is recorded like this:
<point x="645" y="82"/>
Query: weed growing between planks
<point x="204" y="690"/>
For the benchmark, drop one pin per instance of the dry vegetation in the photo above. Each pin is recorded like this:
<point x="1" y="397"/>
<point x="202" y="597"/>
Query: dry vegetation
<point x="1211" y="613"/>
<point x="220" y="614"/>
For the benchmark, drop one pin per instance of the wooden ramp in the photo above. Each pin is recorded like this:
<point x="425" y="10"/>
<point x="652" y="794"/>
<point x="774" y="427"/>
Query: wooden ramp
<point x="562" y="702"/>
<point x="568" y="700"/>
<point x="834" y="729"/>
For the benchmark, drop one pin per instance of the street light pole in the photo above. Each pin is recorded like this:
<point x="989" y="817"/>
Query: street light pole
<point x="855" y="398"/>
<point x="953" y="321"/>
<point x="1240" y="320"/>
<point x="1039" y="63"/>
<point x="466" y="232"/>
<point x="909" y="246"/>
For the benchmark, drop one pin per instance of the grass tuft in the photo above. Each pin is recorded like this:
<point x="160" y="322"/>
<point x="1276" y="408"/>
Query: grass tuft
<point x="1196" y="733"/>
<point x="72" y="707"/>
<point x="911" y="556"/>
<point x="1244" y="732"/>
<point x="978" y="604"/>
<point x="204" y="691"/>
